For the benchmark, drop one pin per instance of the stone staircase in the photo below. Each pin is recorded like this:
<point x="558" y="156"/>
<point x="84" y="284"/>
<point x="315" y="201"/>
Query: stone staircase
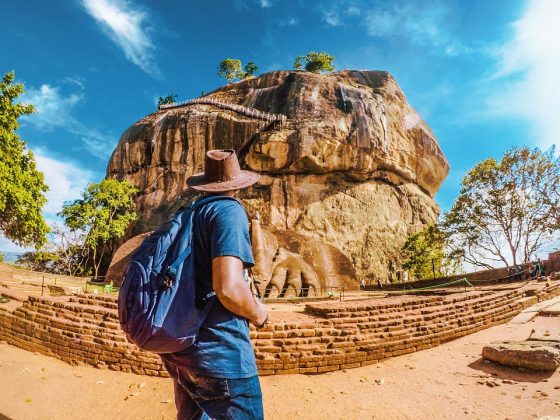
<point x="269" y="121"/>
<point x="84" y="328"/>
<point x="345" y="335"/>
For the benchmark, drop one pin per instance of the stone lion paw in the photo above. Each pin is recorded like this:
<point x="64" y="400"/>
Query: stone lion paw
<point x="291" y="276"/>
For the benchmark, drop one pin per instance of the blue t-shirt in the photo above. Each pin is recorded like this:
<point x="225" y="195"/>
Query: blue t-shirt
<point x="223" y="348"/>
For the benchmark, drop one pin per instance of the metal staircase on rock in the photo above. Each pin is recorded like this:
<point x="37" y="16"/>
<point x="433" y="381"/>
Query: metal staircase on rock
<point x="269" y="121"/>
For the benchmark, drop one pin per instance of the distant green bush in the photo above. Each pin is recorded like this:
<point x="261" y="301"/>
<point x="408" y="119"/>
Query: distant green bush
<point x="315" y="62"/>
<point x="169" y="99"/>
<point x="231" y="69"/>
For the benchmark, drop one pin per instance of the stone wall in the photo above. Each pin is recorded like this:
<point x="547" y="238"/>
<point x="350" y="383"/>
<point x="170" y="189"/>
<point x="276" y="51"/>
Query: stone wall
<point x="553" y="262"/>
<point x="493" y="276"/>
<point x="328" y="336"/>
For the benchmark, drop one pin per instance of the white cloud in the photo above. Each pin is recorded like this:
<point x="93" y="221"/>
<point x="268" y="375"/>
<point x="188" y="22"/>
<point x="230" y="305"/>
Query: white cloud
<point x="66" y="180"/>
<point x="127" y="27"/>
<point x="55" y="110"/>
<point x="423" y="26"/>
<point x="528" y="72"/>
<point x="353" y="10"/>
<point x="332" y="18"/>
<point x="78" y="81"/>
<point x="265" y="3"/>
<point x="335" y="13"/>
<point x="290" y="21"/>
<point x="52" y="107"/>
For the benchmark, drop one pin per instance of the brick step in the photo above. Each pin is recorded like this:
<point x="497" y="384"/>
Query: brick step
<point x="379" y="304"/>
<point x="95" y="302"/>
<point x="373" y="323"/>
<point x="100" y="298"/>
<point x="74" y="325"/>
<point x="435" y="330"/>
<point x="85" y="311"/>
<point x="347" y="311"/>
<point x="62" y="337"/>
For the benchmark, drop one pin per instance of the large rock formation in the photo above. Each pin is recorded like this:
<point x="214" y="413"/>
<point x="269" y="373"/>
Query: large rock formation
<point x="347" y="174"/>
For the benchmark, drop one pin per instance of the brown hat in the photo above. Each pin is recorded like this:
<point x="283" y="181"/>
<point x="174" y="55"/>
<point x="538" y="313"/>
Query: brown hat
<point x="222" y="173"/>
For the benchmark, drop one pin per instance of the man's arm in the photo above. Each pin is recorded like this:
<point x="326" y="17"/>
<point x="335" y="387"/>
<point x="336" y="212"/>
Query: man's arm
<point x="234" y="292"/>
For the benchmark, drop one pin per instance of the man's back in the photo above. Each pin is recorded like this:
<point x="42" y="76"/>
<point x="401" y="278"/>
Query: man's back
<point x="223" y="348"/>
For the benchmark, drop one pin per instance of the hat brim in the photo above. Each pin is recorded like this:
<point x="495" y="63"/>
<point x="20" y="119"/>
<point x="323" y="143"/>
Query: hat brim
<point x="243" y="180"/>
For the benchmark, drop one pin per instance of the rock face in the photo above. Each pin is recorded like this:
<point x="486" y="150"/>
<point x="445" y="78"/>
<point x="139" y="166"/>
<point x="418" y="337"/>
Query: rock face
<point x="346" y="175"/>
<point x="121" y="258"/>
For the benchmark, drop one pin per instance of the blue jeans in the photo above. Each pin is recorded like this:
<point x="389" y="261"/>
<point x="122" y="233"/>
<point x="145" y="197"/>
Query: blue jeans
<point x="201" y="397"/>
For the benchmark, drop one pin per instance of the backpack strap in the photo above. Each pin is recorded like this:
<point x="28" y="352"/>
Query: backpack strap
<point x="171" y="271"/>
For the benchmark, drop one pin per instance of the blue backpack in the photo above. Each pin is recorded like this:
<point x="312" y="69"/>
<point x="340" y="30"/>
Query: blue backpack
<point x="156" y="302"/>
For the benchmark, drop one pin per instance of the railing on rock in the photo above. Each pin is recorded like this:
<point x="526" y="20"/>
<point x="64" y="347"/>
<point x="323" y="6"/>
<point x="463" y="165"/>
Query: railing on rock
<point x="269" y="120"/>
<point x="241" y="109"/>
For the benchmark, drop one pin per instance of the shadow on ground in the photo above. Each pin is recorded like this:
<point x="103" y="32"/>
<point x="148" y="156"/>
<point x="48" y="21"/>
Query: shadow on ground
<point x="511" y="373"/>
<point x="3" y="417"/>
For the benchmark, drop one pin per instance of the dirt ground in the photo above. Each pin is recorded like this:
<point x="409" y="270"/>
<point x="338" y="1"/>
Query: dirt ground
<point x="447" y="382"/>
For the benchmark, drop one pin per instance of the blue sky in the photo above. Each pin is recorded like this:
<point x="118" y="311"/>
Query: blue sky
<point x="483" y="74"/>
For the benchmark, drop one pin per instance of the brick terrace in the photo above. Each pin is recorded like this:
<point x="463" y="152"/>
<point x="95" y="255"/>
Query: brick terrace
<point x="327" y="336"/>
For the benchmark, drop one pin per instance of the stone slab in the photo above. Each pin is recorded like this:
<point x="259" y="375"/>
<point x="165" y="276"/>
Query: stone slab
<point x="536" y="355"/>
<point x="545" y="335"/>
<point x="552" y="310"/>
<point x="531" y="312"/>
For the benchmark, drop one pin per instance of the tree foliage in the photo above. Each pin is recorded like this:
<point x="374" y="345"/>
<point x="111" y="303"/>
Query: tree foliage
<point x="22" y="186"/>
<point x="507" y="209"/>
<point x="426" y="255"/>
<point x="316" y="62"/>
<point x="169" y="99"/>
<point x="104" y="212"/>
<point x="249" y="70"/>
<point x="39" y="260"/>
<point x="231" y="69"/>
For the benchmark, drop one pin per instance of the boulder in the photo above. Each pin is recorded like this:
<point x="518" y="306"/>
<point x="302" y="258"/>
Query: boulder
<point x="530" y="354"/>
<point x="344" y="160"/>
<point x="121" y="258"/>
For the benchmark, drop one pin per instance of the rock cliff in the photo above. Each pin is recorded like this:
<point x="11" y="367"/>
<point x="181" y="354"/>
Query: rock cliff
<point x="348" y="168"/>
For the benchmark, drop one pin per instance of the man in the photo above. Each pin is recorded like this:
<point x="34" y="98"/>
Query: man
<point x="217" y="376"/>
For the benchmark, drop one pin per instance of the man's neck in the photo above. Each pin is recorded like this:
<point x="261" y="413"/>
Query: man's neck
<point x="224" y="193"/>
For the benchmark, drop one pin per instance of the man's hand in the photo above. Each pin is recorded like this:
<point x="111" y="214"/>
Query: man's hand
<point x="234" y="292"/>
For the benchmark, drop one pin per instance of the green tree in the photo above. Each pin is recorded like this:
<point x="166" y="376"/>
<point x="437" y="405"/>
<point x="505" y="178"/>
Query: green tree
<point x="315" y="62"/>
<point x="22" y="186"/>
<point x="507" y="209"/>
<point x="249" y="70"/>
<point x="2" y="257"/>
<point x="169" y="99"/>
<point x="39" y="260"/>
<point x="103" y="213"/>
<point x="230" y="69"/>
<point x="425" y="254"/>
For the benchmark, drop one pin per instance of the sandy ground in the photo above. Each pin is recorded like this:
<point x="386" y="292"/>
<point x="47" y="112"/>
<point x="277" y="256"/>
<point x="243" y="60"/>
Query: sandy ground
<point x="447" y="382"/>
